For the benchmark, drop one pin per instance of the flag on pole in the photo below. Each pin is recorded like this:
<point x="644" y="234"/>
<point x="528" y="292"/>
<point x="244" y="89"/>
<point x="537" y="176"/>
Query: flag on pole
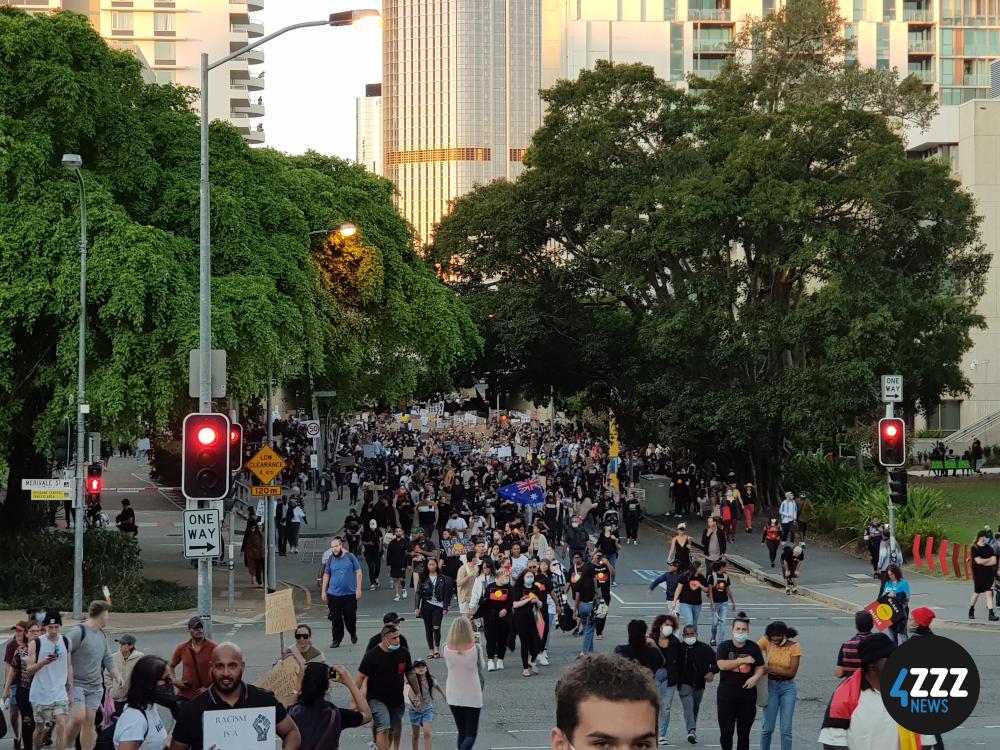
<point x="528" y="492"/>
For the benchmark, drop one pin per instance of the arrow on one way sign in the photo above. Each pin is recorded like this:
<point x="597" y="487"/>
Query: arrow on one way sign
<point x="202" y="534"/>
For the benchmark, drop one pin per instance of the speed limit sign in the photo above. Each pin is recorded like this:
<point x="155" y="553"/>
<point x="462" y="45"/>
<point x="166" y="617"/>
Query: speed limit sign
<point x="312" y="427"/>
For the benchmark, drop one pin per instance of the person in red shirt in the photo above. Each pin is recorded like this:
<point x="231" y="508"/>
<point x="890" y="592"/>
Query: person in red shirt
<point x="195" y="656"/>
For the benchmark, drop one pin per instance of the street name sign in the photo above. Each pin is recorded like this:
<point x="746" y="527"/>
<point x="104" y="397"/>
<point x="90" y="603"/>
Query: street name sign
<point x="265" y="490"/>
<point x="892" y="389"/>
<point x="266" y="465"/>
<point x="202" y="533"/>
<point x="50" y="489"/>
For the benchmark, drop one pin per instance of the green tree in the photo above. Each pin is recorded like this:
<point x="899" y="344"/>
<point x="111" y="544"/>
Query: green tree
<point x="751" y="258"/>
<point x="365" y="317"/>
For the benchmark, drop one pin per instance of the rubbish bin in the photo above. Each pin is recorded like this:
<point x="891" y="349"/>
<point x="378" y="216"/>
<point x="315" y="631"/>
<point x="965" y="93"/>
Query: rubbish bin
<point x="657" y="488"/>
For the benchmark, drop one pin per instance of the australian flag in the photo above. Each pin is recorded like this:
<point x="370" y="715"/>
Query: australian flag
<point x="528" y="492"/>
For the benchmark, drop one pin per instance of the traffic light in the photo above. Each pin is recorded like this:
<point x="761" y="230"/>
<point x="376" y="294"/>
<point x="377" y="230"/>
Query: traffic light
<point x="897" y="486"/>
<point x="235" y="446"/>
<point x="205" y="457"/>
<point x="94" y="483"/>
<point x="891" y="442"/>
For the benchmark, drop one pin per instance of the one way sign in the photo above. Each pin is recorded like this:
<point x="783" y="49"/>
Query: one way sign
<point x="202" y="536"/>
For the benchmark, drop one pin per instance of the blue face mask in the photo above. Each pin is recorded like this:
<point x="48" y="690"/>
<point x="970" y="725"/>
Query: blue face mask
<point x="740" y="637"/>
<point x="393" y="646"/>
<point x="528" y="581"/>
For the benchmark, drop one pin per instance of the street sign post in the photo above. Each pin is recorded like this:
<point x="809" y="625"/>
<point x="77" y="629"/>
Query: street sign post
<point x="892" y="389"/>
<point x="202" y="533"/>
<point x="312" y="427"/>
<point x="266" y="465"/>
<point x="50" y="489"/>
<point x="265" y="490"/>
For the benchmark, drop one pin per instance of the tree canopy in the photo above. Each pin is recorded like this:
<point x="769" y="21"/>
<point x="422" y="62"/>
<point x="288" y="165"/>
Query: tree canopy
<point x="730" y="267"/>
<point x="364" y="316"/>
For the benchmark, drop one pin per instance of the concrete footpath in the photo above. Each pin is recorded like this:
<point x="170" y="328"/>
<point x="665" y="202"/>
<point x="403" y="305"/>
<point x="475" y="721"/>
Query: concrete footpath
<point x="842" y="580"/>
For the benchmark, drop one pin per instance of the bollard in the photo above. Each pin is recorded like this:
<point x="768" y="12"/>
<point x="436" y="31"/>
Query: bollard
<point x="916" y="550"/>
<point x="967" y="560"/>
<point x="943" y="556"/>
<point x="955" y="549"/>
<point x="929" y="553"/>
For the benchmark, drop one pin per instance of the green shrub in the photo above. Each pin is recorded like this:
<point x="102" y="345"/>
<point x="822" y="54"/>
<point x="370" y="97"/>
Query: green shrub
<point x="165" y="463"/>
<point x="826" y="481"/>
<point x="38" y="571"/>
<point x="916" y="517"/>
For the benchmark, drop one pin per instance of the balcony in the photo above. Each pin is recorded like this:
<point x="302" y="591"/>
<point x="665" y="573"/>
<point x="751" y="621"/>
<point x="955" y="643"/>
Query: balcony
<point x="253" y="57"/>
<point x="709" y="14"/>
<point x="921" y="15"/>
<point x="251" y="29"/>
<point x="253" y="83"/>
<point x="717" y="47"/>
<point x="254" y="136"/>
<point x="925" y="75"/>
<point x="255" y="5"/>
<point x="248" y="109"/>
<point x="921" y="46"/>
<point x="709" y="73"/>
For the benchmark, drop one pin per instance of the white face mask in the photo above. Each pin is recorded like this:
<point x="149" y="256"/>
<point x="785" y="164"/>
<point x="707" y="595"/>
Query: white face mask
<point x="575" y="525"/>
<point x="690" y="641"/>
<point x="667" y="631"/>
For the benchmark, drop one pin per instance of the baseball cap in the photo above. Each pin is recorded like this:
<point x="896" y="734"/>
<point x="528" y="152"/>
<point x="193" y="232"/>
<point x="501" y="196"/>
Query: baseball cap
<point x="195" y="622"/>
<point x="128" y="640"/>
<point x="22" y="626"/>
<point x="391" y="618"/>
<point x="52" y="617"/>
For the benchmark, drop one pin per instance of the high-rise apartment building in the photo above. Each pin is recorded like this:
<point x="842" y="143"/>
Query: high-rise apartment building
<point x="369" y="129"/>
<point x="459" y="97"/>
<point x="169" y="37"/>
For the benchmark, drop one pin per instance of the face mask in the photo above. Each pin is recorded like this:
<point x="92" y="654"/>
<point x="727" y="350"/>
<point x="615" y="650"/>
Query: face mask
<point x="393" y="646"/>
<point x="740" y="638"/>
<point x="667" y="631"/>
<point x="39" y="616"/>
<point x="372" y="524"/>
<point x="575" y="525"/>
<point x="690" y="641"/>
<point x="528" y="580"/>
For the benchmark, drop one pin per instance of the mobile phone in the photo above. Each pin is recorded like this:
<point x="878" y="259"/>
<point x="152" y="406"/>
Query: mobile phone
<point x="57" y="650"/>
<point x="333" y="673"/>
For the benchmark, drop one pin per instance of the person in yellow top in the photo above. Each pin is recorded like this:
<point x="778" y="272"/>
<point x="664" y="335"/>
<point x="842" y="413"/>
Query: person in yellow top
<point x="783" y="656"/>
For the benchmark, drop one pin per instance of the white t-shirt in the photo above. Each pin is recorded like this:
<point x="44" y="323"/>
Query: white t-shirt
<point x="456" y="524"/>
<point x="49" y="683"/>
<point x="145" y="727"/>
<point x="298" y="515"/>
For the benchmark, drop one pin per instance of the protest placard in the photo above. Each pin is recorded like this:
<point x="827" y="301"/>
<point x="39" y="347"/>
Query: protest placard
<point x="285" y="679"/>
<point x="409" y="453"/>
<point x="504" y="451"/>
<point x="239" y="729"/>
<point x="279" y="612"/>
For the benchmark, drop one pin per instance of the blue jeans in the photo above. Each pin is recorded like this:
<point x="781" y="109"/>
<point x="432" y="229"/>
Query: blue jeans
<point x="613" y="560"/>
<point x="719" y="613"/>
<point x="548" y="635"/>
<point x="690" y="614"/>
<point x="666" y="700"/>
<point x="585" y="612"/>
<point x="690" y="702"/>
<point x="781" y="695"/>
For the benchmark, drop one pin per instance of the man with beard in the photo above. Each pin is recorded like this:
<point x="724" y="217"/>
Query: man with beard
<point x="342" y="591"/>
<point x="228" y="691"/>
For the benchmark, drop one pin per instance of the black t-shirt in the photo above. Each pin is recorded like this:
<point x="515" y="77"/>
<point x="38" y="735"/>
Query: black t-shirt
<point x="582" y="581"/>
<point x="720" y="585"/>
<point x="386" y="672"/>
<point x="314" y="722"/>
<point x="791" y="560"/>
<point x="738" y="677"/>
<point x="648" y="656"/>
<point x="608" y="545"/>
<point x="188" y="729"/>
<point x="397" y="553"/>
<point x="690" y="593"/>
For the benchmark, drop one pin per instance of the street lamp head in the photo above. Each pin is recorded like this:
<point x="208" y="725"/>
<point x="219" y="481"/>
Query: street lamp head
<point x="361" y="19"/>
<point x="347" y="230"/>
<point x="72" y="161"/>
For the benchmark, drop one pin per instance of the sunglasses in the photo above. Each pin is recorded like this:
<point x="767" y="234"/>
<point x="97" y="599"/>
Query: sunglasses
<point x="302" y="636"/>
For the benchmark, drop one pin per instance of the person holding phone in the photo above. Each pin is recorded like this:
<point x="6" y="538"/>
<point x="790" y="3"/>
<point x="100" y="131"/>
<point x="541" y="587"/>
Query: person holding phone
<point x="51" y="670"/>
<point x="320" y="722"/>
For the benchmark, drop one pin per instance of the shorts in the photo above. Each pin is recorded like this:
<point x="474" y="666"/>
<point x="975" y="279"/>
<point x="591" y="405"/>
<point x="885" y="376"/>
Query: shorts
<point x="386" y="718"/>
<point x="417" y="718"/>
<point x="47" y="714"/>
<point x="90" y="698"/>
<point x="397" y="572"/>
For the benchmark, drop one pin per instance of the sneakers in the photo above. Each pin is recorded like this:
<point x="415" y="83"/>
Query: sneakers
<point x="490" y="666"/>
<point x="372" y="587"/>
<point x="993" y="616"/>
<point x="499" y="663"/>
<point x="543" y="659"/>
<point x="662" y="741"/>
<point x="788" y="591"/>
<point x="335" y="644"/>
<point x="404" y="593"/>
<point x="526" y="673"/>
<point x="372" y="745"/>
<point x="534" y="669"/>
<point x="396" y="598"/>
<point x="712" y="642"/>
<point x="692" y="739"/>
<point x="354" y="638"/>
<point x="972" y="613"/>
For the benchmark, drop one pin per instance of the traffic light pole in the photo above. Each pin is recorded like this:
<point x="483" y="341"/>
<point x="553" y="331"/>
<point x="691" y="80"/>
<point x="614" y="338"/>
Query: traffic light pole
<point x="81" y="407"/>
<point x="890" y="413"/>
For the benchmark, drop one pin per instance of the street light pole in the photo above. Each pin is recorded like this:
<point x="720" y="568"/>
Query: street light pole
<point x="343" y="18"/>
<point x="73" y="162"/>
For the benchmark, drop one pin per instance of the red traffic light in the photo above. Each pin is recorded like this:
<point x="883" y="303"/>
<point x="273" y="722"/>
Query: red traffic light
<point x="205" y="456"/>
<point x="207" y="435"/>
<point x="891" y="442"/>
<point x="95" y="485"/>
<point x="233" y="436"/>
<point x="891" y="430"/>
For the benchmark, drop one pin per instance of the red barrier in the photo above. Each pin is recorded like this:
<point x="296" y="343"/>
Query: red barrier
<point x="916" y="551"/>
<point x="943" y="556"/>
<point x="968" y="562"/>
<point x="929" y="553"/>
<point x="954" y="560"/>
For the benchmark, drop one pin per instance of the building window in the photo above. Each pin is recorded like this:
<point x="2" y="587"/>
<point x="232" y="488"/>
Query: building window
<point x="851" y="37"/>
<point x="163" y="77"/>
<point x="165" y="53"/>
<point x="669" y="10"/>
<point x="859" y="10"/>
<point x="163" y="24"/>
<point x="947" y="73"/>
<point x="888" y="10"/>
<point x="121" y="22"/>
<point x="947" y="41"/>
<point x="947" y="417"/>
<point x="882" y="46"/>
<point x="677" y="52"/>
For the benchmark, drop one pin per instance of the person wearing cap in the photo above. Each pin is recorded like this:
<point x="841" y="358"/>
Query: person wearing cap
<point x="856" y="717"/>
<point x="791" y="563"/>
<point x="51" y="670"/>
<point x="848" y="660"/>
<point x="788" y="514"/>
<point x="920" y="621"/>
<point x="389" y="618"/>
<point x="124" y="659"/>
<point x="195" y="656"/>
<point x="669" y="579"/>
<point x="380" y="677"/>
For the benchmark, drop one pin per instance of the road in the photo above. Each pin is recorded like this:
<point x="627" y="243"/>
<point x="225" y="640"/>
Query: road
<point x="520" y="711"/>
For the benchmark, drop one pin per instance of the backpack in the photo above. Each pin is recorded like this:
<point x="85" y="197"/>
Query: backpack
<point x="106" y="737"/>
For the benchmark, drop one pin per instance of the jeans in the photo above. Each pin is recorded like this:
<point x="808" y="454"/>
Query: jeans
<point x="690" y="614"/>
<point x="613" y="560"/>
<point x="691" y="703"/>
<point x="585" y="612"/>
<point x="781" y="695"/>
<point x="548" y="632"/>
<point x="432" y="616"/>
<point x="788" y="531"/>
<point x="666" y="700"/>
<point x="467" y="724"/>
<point x="720" y="610"/>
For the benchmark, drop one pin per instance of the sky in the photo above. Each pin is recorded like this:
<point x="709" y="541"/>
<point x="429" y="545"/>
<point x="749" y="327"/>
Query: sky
<point x="315" y="75"/>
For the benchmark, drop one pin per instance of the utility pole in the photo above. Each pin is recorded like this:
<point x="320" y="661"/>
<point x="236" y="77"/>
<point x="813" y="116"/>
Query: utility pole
<point x="271" y="572"/>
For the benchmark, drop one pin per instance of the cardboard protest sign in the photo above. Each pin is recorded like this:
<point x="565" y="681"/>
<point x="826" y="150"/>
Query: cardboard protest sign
<point x="285" y="679"/>
<point x="504" y="451"/>
<point x="279" y="612"/>
<point x="455" y="547"/>
<point x="409" y="452"/>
